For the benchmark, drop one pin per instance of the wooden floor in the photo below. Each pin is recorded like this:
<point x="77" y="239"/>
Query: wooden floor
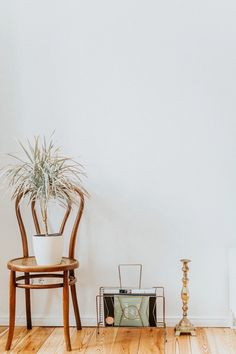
<point x="120" y="340"/>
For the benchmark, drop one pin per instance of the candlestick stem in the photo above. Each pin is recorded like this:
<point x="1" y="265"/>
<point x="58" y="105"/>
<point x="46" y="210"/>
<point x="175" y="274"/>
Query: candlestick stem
<point x="185" y="326"/>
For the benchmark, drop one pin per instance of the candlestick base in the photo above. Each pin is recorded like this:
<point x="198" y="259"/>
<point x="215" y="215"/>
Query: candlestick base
<point x="185" y="327"/>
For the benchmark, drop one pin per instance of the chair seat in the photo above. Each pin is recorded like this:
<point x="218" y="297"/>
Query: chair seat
<point x="29" y="265"/>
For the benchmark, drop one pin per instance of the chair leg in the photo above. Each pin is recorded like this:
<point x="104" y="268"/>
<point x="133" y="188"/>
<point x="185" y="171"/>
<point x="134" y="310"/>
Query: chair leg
<point x="27" y="305"/>
<point x="66" y="309"/>
<point x="75" y="304"/>
<point x="12" y="309"/>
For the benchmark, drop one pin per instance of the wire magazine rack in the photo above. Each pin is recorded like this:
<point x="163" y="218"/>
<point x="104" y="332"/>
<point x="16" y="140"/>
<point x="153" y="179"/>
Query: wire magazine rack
<point x="131" y="306"/>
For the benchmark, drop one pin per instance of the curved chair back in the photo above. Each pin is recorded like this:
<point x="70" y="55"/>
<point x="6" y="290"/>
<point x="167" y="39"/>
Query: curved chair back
<point x="63" y="224"/>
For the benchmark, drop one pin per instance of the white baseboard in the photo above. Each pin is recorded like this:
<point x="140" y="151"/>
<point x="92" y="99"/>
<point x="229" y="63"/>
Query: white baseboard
<point x="202" y="321"/>
<point x="91" y="321"/>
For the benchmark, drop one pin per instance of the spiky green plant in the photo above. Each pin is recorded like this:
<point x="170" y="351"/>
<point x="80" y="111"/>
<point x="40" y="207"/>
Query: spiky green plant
<point x="43" y="174"/>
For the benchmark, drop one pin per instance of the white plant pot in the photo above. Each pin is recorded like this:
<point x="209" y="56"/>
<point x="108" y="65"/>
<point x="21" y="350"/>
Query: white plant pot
<point x="48" y="249"/>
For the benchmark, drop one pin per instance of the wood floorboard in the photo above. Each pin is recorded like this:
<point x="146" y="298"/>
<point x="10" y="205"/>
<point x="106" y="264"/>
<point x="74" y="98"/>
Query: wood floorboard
<point x="195" y="345"/>
<point x="19" y="334"/>
<point x="102" y="342"/>
<point x="183" y="344"/>
<point x="232" y="340"/>
<point x="81" y="340"/>
<point x="200" y="342"/>
<point x="126" y="341"/>
<point x="33" y="341"/>
<point x="49" y="340"/>
<point x="2" y="330"/>
<point x="55" y="342"/>
<point x="151" y="341"/>
<point x="170" y="341"/>
<point x="214" y="349"/>
<point x="223" y="340"/>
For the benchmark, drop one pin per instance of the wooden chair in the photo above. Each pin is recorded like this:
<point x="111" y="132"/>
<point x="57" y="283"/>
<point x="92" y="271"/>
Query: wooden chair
<point x="28" y="265"/>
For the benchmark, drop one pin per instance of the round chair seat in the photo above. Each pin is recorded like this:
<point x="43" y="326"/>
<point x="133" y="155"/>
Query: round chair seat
<point x="29" y="264"/>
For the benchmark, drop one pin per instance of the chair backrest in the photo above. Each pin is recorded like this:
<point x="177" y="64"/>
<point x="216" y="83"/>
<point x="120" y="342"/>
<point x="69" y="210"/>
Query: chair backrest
<point x="37" y="226"/>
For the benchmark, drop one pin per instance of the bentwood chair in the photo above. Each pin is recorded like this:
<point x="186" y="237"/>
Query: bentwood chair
<point x="28" y="265"/>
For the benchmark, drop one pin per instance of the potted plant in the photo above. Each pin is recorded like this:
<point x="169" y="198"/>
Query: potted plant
<point x="43" y="175"/>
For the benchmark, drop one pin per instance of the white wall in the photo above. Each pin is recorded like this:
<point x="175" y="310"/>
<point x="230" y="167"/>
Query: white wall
<point x="144" y="92"/>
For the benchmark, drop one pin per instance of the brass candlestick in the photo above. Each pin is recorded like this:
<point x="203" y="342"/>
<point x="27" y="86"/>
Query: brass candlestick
<point x="185" y="325"/>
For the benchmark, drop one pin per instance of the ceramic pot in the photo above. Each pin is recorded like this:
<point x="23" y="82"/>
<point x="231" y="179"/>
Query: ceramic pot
<point x="48" y="249"/>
